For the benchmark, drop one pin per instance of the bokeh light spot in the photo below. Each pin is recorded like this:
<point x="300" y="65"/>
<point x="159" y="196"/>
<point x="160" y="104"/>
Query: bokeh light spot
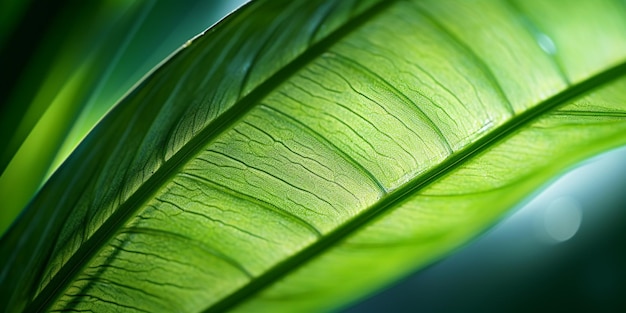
<point x="562" y="218"/>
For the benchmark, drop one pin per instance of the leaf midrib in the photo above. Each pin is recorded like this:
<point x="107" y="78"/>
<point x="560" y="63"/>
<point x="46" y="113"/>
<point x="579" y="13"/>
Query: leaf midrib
<point x="238" y="110"/>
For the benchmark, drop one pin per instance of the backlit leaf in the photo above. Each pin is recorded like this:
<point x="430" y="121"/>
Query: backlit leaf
<point x="301" y="154"/>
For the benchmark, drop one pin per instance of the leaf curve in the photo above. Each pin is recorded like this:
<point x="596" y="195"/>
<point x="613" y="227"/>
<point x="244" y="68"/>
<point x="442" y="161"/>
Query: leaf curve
<point x="283" y="155"/>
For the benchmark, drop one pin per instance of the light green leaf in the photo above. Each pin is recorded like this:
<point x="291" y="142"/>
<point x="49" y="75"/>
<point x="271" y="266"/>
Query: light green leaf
<point x="301" y="154"/>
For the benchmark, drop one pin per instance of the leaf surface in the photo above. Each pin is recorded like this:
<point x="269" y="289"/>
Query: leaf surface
<point x="303" y="153"/>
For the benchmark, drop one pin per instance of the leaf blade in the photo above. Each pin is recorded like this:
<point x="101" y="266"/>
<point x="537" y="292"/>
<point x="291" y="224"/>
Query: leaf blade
<point x="316" y="176"/>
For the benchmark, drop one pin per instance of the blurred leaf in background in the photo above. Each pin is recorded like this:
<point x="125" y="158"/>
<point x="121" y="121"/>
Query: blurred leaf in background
<point x="66" y="63"/>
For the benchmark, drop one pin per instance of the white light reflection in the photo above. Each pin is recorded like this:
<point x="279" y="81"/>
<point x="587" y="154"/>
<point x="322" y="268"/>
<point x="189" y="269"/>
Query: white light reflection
<point x="562" y="218"/>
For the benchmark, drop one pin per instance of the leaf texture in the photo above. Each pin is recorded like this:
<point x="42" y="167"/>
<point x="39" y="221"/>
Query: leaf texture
<point x="302" y="153"/>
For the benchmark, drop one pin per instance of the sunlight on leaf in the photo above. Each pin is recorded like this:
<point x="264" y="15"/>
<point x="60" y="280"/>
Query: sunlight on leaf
<point x="298" y="144"/>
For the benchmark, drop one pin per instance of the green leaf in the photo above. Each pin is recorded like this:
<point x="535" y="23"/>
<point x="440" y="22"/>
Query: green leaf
<point x="301" y="154"/>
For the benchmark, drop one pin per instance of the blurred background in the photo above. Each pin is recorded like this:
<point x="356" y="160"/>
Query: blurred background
<point x="65" y="63"/>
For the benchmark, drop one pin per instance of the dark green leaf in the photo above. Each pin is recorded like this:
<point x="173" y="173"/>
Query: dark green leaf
<point x="86" y="57"/>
